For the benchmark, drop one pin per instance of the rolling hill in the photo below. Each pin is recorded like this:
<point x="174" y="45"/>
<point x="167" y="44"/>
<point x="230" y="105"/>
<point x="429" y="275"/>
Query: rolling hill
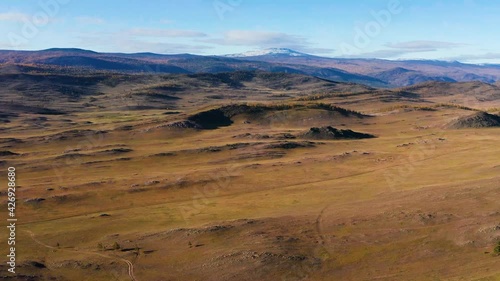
<point x="246" y="174"/>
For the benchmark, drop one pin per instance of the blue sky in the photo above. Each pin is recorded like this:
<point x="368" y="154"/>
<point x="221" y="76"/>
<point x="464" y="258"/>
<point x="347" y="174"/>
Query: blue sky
<point x="463" y="30"/>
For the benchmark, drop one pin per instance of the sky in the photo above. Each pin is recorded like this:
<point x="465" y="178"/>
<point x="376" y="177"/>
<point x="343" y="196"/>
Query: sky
<point x="463" y="30"/>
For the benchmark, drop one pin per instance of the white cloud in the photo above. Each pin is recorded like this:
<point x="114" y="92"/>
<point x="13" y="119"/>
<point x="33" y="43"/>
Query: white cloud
<point x="23" y="17"/>
<point x="379" y="54"/>
<point x="386" y="54"/>
<point x="166" y="21"/>
<point x="13" y="16"/>
<point x="473" y="57"/>
<point x="151" y="32"/>
<point x="257" y="38"/>
<point x="423" y="45"/>
<point x="163" y="48"/>
<point x="402" y="48"/>
<point x="120" y="43"/>
<point x="8" y="46"/>
<point x="90" y="20"/>
<point x="267" y="39"/>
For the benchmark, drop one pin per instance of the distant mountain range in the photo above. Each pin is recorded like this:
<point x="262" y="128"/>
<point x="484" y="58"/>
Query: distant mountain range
<point x="371" y="72"/>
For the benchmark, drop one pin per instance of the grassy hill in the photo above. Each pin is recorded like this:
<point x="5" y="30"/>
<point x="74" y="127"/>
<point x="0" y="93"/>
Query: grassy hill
<point x="247" y="175"/>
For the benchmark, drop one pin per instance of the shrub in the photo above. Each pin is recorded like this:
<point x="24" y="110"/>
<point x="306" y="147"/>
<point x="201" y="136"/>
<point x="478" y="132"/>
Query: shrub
<point x="496" y="250"/>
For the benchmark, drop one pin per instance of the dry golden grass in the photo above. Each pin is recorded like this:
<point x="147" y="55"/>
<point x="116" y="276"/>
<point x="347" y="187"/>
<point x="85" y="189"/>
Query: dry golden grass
<point x="416" y="203"/>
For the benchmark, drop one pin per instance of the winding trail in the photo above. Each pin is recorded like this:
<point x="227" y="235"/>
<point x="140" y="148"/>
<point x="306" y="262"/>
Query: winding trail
<point x="319" y="221"/>
<point x="129" y="263"/>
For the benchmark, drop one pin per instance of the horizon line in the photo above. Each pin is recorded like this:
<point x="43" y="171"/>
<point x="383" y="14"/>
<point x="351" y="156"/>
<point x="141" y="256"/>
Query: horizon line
<point x="228" y="55"/>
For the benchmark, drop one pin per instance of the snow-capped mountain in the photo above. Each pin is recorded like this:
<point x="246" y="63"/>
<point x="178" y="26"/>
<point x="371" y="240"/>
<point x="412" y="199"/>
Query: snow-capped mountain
<point x="269" y="52"/>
